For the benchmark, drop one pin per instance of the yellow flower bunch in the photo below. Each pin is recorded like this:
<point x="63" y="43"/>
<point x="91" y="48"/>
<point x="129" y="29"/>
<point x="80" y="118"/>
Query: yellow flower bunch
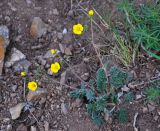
<point x="91" y="12"/>
<point x="32" y="85"/>
<point x="78" y="29"/>
<point x="55" y="67"/>
<point x="23" y="73"/>
<point x="53" y="51"/>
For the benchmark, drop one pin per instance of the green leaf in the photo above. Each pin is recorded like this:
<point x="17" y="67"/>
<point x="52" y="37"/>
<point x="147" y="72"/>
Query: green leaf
<point x="94" y="114"/>
<point x="91" y="83"/>
<point x="97" y="119"/>
<point x="101" y="80"/>
<point x="153" y="93"/>
<point x="114" y="98"/>
<point x="101" y="103"/>
<point x="129" y="97"/>
<point x="78" y="93"/>
<point x="118" y="78"/>
<point x="122" y="115"/>
<point x="90" y="95"/>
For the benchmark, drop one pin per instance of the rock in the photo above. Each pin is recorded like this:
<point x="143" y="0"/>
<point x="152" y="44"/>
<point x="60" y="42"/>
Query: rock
<point x="16" y="56"/>
<point x="145" y="110"/>
<point x="46" y="126"/>
<point x="138" y="97"/>
<point x="64" y="109"/>
<point x="4" y="42"/>
<point x="78" y="103"/>
<point x="38" y="28"/>
<point x="59" y="36"/>
<point x="49" y="72"/>
<point x="63" y="78"/>
<point x="22" y="65"/>
<point x="85" y="76"/>
<point x="68" y="51"/>
<point x="81" y="70"/>
<point x="64" y="31"/>
<point x="41" y="60"/>
<point x="156" y="118"/>
<point x="12" y="7"/>
<point x="42" y="101"/>
<point x="9" y="128"/>
<point x="33" y="128"/>
<point x="37" y="94"/>
<point x="151" y="107"/>
<point x="125" y="89"/>
<point x="21" y="127"/>
<point x="14" y="88"/>
<point x="7" y="18"/>
<point x="28" y="2"/>
<point x="16" y="110"/>
<point x="67" y="39"/>
<point x="71" y="13"/>
<point x="61" y="48"/>
<point x="106" y="117"/>
<point x="55" y="12"/>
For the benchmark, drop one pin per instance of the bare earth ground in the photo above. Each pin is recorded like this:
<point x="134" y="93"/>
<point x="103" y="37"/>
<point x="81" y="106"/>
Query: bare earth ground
<point x="18" y="16"/>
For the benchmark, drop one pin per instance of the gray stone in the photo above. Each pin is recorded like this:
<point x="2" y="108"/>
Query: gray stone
<point x="64" y="109"/>
<point x="64" y="31"/>
<point x="22" y="65"/>
<point x="68" y="51"/>
<point x="16" y="110"/>
<point x="60" y="36"/>
<point x="33" y="128"/>
<point x="138" y="97"/>
<point x="16" y="56"/>
<point x="78" y="103"/>
<point x="125" y="89"/>
<point x="21" y="127"/>
<point x="151" y="107"/>
<point x="14" y="88"/>
<point x="145" y="110"/>
<point x="46" y="126"/>
<point x="37" y="94"/>
<point x="63" y="78"/>
<point x="9" y="128"/>
<point x="38" y="27"/>
<point x="55" y="12"/>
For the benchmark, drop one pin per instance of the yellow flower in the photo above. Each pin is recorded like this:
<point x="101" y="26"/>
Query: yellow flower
<point x="23" y="73"/>
<point x="32" y="85"/>
<point x="78" y="29"/>
<point x="55" y="67"/>
<point x="53" y="51"/>
<point x="91" y="12"/>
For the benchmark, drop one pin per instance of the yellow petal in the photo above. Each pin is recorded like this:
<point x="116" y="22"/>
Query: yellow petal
<point x="91" y="12"/>
<point x="32" y="86"/>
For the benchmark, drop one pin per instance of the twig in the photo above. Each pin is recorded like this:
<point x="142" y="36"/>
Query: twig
<point x="34" y="117"/>
<point x="62" y="84"/>
<point x="112" y="109"/>
<point x="134" y="122"/>
<point x="152" y="80"/>
<point x="72" y="70"/>
<point x="24" y="89"/>
<point x="71" y="4"/>
<point x="98" y="55"/>
<point x="104" y="22"/>
<point x="84" y="11"/>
